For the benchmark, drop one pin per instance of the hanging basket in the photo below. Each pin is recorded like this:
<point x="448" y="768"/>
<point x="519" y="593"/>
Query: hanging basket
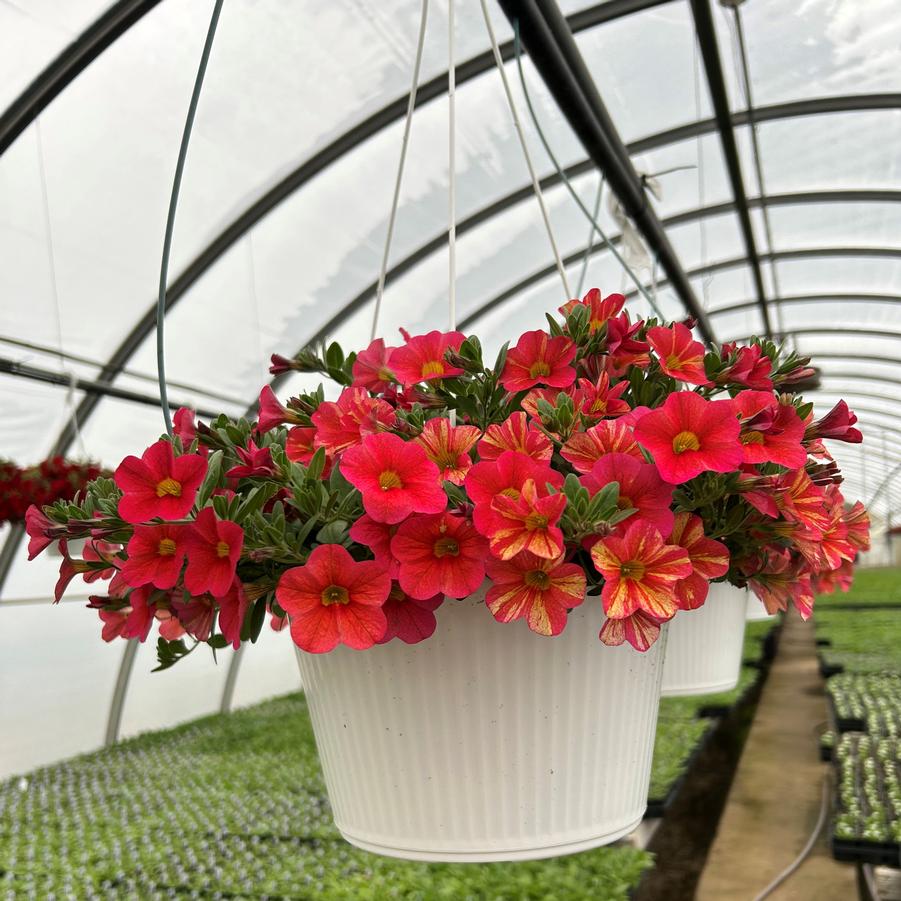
<point x="755" y="611"/>
<point x="487" y="742"/>
<point x="704" y="647"/>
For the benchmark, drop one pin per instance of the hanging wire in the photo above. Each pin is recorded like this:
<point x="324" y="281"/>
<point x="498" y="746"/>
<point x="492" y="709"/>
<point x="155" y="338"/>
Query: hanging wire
<point x="451" y="172"/>
<point x="536" y="187"/>
<point x="744" y="79"/>
<point x="170" y="219"/>
<point x="589" y="247"/>
<point x="517" y="48"/>
<point x="395" y="200"/>
<point x="70" y="404"/>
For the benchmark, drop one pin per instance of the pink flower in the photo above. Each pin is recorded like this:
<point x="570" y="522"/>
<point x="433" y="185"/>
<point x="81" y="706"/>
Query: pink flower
<point x="159" y="484"/>
<point x="539" y="359"/>
<point x="233" y="606"/>
<point x="771" y="432"/>
<point x="155" y="555"/>
<point x="709" y="560"/>
<point x="836" y="424"/>
<point x="372" y="367"/>
<point x="439" y="554"/>
<point x="640" y="487"/>
<point x="346" y="422"/>
<point x="515" y="434"/>
<point x="600" y="310"/>
<point x="526" y="523"/>
<point x="256" y="463"/>
<point x="640" y="629"/>
<point x="410" y="619"/>
<point x="448" y="447"/>
<point x="39" y="529"/>
<point x="680" y="356"/>
<point x="689" y="435"/>
<point x="395" y="477"/>
<point x="213" y="548"/>
<point x="600" y="400"/>
<point x="377" y="537"/>
<point x="584" y="449"/>
<point x="333" y="599"/>
<point x="536" y="589"/>
<point x="183" y="426"/>
<point x="421" y="359"/>
<point x="273" y="412"/>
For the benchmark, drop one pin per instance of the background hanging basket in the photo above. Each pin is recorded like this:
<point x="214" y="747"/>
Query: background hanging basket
<point x="704" y="647"/>
<point x="486" y="742"/>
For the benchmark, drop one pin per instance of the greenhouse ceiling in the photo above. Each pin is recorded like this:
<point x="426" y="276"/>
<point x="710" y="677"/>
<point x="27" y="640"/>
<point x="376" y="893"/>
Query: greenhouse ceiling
<point x="769" y="136"/>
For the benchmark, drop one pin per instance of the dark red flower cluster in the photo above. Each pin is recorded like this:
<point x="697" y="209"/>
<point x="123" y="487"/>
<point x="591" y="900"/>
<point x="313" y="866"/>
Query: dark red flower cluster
<point x="55" y="479"/>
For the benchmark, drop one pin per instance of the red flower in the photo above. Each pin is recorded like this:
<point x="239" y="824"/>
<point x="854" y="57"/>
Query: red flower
<point x="159" y="484"/>
<point x="751" y="367"/>
<point x="410" y="619"/>
<point x="623" y="349"/>
<point x="377" y="537"/>
<point x="213" y="547"/>
<point x="39" y="529"/>
<point x="539" y="359"/>
<point x="395" y="477"/>
<point x="679" y="354"/>
<point x="836" y="424"/>
<point x="584" y="449"/>
<point x="599" y="309"/>
<point x="689" y="435"/>
<point x="346" y="422"/>
<point x="140" y="617"/>
<point x="709" y="560"/>
<point x="536" y="589"/>
<point x="299" y="444"/>
<point x="526" y="523"/>
<point x="801" y="501"/>
<point x="155" y="555"/>
<point x="233" y="607"/>
<point x="505" y="476"/>
<point x="640" y="571"/>
<point x="114" y="624"/>
<point x="282" y="364"/>
<point x="771" y="432"/>
<point x="448" y="447"/>
<point x="421" y="359"/>
<point x="273" y="412"/>
<point x="371" y="369"/>
<point x="640" y="486"/>
<point x="439" y="554"/>
<point x="333" y="599"/>
<point x="256" y="463"/>
<point x="639" y="629"/>
<point x="515" y="434"/>
<point x="782" y="580"/>
<point x="193" y="615"/>
<point x="600" y="400"/>
<point x="858" y="522"/>
<point x="183" y="426"/>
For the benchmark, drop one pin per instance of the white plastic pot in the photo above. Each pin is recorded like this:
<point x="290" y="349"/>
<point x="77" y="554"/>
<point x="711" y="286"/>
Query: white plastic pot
<point x="704" y="647"/>
<point x="486" y="742"/>
<point x="755" y="611"/>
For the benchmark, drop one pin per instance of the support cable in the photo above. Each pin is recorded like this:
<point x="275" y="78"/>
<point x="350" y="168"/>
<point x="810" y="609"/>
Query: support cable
<point x="536" y="187"/>
<point x="170" y="219"/>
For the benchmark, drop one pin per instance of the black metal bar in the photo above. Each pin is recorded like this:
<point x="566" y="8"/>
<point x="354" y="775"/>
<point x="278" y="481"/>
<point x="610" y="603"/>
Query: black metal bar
<point x="549" y="41"/>
<point x="790" y="299"/>
<point x="68" y="65"/>
<point x="706" y="34"/>
<point x="841" y="331"/>
<point x="100" y="389"/>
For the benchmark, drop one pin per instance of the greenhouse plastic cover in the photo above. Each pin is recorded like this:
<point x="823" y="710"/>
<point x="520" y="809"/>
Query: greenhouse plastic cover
<point x="313" y="94"/>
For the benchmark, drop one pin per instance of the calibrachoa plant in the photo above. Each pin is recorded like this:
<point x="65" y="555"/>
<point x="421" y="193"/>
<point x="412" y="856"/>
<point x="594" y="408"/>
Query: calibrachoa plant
<point x="599" y="456"/>
<point x="54" y="479"/>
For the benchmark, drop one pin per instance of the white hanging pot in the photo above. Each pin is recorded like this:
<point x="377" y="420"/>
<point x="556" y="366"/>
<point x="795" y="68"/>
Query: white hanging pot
<point x="704" y="647"/>
<point x="486" y="742"/>
<point x="755" y="611"/>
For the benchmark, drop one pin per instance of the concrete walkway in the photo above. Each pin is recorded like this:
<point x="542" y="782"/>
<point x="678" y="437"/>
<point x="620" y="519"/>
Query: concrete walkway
<point x="775" y="798"/>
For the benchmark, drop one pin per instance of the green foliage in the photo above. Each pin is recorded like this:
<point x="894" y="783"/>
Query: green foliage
<point x="863" y="641"/>
<point x="880" y="585"/>
<point x="235" y="806"/>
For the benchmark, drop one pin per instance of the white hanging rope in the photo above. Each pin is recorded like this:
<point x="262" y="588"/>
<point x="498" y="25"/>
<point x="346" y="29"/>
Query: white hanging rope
<point x="411" y="105"/>
<point x="452" y="173"/>
<point x="536" y="187"/>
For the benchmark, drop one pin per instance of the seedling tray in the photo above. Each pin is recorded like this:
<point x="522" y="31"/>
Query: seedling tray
<point x="886" y="854"/>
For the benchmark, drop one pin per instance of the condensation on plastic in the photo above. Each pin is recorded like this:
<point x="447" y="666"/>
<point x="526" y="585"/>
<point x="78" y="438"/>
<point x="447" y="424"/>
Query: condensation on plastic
<point x="704" y="648"/>
<point x="487" y="742"/>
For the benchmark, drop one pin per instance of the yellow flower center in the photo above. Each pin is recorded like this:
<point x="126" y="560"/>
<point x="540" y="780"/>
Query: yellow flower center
<point x="537" y="578"/>
<point x="686" y="441"/>
<point x="535" y="522"/>
<point x="752" y="437"/>
<point x="539" y="368"/>
<point x="335" y="594"/>
<point x="673" y="362"/>
<point x="168" y="486"/>
<point x="166" y="547"/>
<point x="432" y="367"/>
<point x="511" y="492"/>
<point x="632" y="569"/>
<point x="222" y="549"/>
<point x="446" y="547"/>
<point x="389" y="479"/>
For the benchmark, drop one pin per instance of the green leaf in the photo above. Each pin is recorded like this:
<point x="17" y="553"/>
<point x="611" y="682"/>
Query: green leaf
<point x="554" y="326"/>
<point x="217" y="642"/>
<point x="211" y="480"/>
<point x="316" y="466"/>
<point x="258" y="617"/>
<point x="168" y="653"/>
